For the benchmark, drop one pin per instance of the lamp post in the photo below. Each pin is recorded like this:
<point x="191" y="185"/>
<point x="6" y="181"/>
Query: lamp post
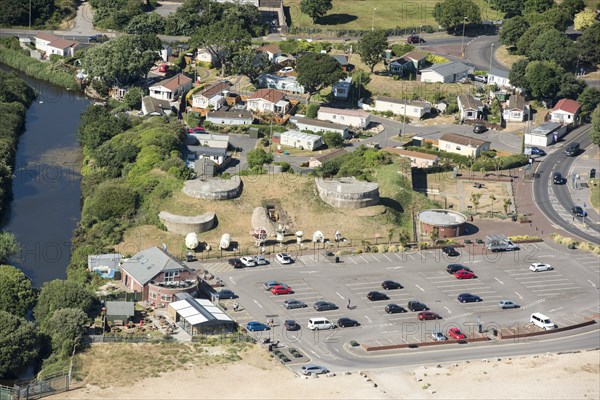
<point x="29" y="14"/>
<point x="491" y="56"/>
<point x="462" y="43"/>
<point x="373" y="20"/>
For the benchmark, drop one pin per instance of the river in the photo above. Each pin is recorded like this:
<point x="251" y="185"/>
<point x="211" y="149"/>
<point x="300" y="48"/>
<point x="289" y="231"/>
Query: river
<point x="45" y="208"/>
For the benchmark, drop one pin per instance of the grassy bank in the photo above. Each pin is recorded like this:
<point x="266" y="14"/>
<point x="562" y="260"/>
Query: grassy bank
<point x="595" y="193"/>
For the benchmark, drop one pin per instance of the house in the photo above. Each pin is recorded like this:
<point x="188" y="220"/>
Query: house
<point x="232" y="117"/>
<point x="218" y="155"/>
<point x="341" y="89"/>
<point x="499" y="77"/>
<point x="158" y="107"/>
<point x="449" y="72"/>
<point x="412" y="109"/>
<point x="105" y="265"/>
<point x="464" y="145"/>
<point x="417" y="160"/>
<point x="412" y="61"/>
<point x="284" y="83"/>
<point x="268" y="101"/>
<point x="120" y="312"/>
<point x="545" y="134"/>
<point x="315" y="125"/>
<point x="200" y="316"/>
<point x="171" y="89"/>
<point x="206" y="57"/>
<point x="301" y="140"/>
<point x="469" y="107"/>
<point x="271" y="51"/>
<point x="355" y="118"/>
<point x="207" y="139"/>
<point x="342" y="60"/>
<point x="516" y="109"/>
<point x="51" y="44"/>
<point x="212" y="96"/>
<point x="157" y="275"/>
<point x="316" y="162"/>
<point x="566" y="111"/>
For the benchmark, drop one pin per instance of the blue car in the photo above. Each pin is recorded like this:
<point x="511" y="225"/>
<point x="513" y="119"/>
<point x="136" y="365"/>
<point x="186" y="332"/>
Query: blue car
<point x="254" y="326"/>
<point x="536" y="151"/>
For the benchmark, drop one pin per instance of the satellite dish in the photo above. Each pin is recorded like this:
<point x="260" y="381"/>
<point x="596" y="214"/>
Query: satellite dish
<point x="191" y="240"/>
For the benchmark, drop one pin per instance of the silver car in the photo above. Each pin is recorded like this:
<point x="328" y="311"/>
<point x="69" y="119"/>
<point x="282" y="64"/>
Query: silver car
<point x="260" y="260"/>
<point x="438" y="336"/>
<point x="314" y="369"/>
<point x="504" y="304"/>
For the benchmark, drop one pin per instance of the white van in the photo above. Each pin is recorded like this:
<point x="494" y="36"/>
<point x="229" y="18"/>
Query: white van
<point x="320" y="323"/>
<point x="542" y="321"/>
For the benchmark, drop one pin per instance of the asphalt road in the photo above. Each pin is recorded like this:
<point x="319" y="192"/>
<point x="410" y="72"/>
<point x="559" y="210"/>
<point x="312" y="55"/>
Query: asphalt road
<point x="553" y="200"/>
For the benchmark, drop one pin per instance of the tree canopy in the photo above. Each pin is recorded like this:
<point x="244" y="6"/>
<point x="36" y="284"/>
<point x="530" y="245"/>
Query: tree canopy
<point x="510" y="8"/>
<point x="316" y="71"/>
<point x="110" y="200"/>
<point x="589" y="100"/>
<point x="451" y="14"/>
<point x="595" y="131"/>
<point x="584" y="20"/>
<point x="333" y="140"/>
<point x="371" y="46"/>
<point x="524" y="43"/>
<point x="99" y="125"/>
<point x="556" y="17"/>
<point x="315" y="8"/>
<point x="115" y="14"/>
<point x="589" y="44"/>
<point x="65" y="327"/>
<point x="537" y="6"/>
<point x="543" y="79"/>
<point x="16" y="293"/>
<point x="512" y="30"/>
<point x="147" y="23"/>
<point x="258" y="157"/>
<point x="552" y="45"/>
<point x="8" y="246"/>
<point x="19" y="344"/>
<point x="59" y="294"/>
<point x="247" y="62"/>
<point x="16" y="12"/>
<point x="572" y="7"/>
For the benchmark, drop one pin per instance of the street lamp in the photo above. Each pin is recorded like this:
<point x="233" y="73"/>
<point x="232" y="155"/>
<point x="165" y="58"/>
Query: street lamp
<point x="373" y="20"/>
<point x="462" y="43"/>
<point x="491" y="56"/>
<point x="29" y="14"/>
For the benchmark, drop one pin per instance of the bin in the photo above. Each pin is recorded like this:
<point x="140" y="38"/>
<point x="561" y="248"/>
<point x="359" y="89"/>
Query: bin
<point x="270" y="347"/>
<point x="514" y="218"/>
<point x="337" y="259"/>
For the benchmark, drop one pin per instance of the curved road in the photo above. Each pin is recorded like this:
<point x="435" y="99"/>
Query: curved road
<point x="543" y="188"/>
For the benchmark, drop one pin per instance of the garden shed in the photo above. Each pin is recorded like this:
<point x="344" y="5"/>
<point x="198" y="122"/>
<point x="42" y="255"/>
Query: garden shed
<point x="119" y="312"/>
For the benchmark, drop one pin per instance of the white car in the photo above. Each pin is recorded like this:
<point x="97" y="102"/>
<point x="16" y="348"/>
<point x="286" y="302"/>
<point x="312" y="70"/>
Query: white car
<point x="260" y="260"/>
<point x="248" y="261"/>
<point x="438" y="336"/>
<point x="286" y="70"/>
<point x="538" y="266"/>
<point x="283" y="258"/>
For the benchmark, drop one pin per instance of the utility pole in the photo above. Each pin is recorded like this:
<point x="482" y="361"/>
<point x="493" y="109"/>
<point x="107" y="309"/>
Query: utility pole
<point x="29" y="14"/>
<point x="462" y="43"/>
<point x="491" y="56"/>
<point x="373" y="20"/>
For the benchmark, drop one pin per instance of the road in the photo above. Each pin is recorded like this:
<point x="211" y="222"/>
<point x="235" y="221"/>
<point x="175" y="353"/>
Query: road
<point x="554" y="200"/>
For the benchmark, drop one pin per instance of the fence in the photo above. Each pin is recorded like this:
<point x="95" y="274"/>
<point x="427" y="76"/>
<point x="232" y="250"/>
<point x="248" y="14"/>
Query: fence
<point x="89" y="339"/>
<point x="122" y="296"/>
<point x="36" y="389"/>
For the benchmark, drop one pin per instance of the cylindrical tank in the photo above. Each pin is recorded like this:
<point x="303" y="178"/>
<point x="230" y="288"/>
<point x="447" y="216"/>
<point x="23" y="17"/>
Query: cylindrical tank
<point x="299" y="235"/>
<point x="191" y="240"/>
<point x="225" y="241"/>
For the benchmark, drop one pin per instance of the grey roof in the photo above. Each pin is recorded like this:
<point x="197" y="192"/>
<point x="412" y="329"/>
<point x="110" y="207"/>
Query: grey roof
<point x="207" y="151"/>
<point x="468" y="101"/>
<point x="148" y="263"/>
<point x="319" y="123"/>
<point x="545" y="129"/>
<point x="449" y="68"/>
<point x="104" y="260"/>
<point x="343" y="60"/>
<point x="414" y="103"/>
<point x="233" y="114"/>
<point x="154" y="105"/>
<point x="516" y="101"/>
<point x="120" y="308"/>
<point x="498" y="72"/>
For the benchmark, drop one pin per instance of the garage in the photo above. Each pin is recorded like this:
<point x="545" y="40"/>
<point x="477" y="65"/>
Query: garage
<point x="545" y="134"/>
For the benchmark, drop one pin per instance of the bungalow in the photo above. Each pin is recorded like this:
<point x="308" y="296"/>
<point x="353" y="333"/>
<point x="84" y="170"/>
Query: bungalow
<point x="545" y="134"/>
<point x="218" y="155"/>
<point x="170" y="89"/>
<point x="341" y="89"/>
<point x="499" y="77"/>
<point x="464" y="145"/>
<point x="355" y="118"/>
<point x="284" y="83"/>
<point x="316" y="162"/>
<point x="566" y="111"/>
<point x="301" y="140"/>
<point x="342" y="60"/>
<point x="156" y="107"/>
<point x="449" y="72"/>
<point x="469" y="107"/>
<point x="51" y="44"/>
<point x="516" y="110"/>
<point x="232" y="117"/>
<point x="314" y="125"/>
<point x="206" y="57"/>
<point x="105" y="265"/>
<point x="412" y="109"/>
<point x="157" y="275"/>
<point x="120" y="312"/>
<point x="412" y="61"/>
<point x="211" y="96"/>
<point x="268" y="101"/>
<point x="270" y="50"/>
<point x="210" y="140"/>
<point x="417" y="159"/>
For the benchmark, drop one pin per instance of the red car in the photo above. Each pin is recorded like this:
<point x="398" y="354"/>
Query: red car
<point x="427" y="315"/>
<point x="277" y="290"/>
<point x="462" y="274"/>
<point x="163" y="68"/>
<point x="455" y="333"/>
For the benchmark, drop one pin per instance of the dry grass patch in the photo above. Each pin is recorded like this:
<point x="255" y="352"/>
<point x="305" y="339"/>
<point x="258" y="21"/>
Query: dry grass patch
<point x="505" y="58"/>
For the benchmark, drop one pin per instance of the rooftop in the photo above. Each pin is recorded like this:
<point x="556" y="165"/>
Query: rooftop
<point x="340" y="58"/>
<point x="462" y="140"/>
<point x="516" y="102"/>
<point x="468" y="101"/>
<point x="414" y="103"/>
<point x="301" y="136"/>
<point x="148" y="263"/>
<point x="567" y="105"/>
<point x="208" y="151"/>
<point x="120" y="308"/>
<point x="319" y="123"/>
<point x="104" y="260"/>
<point x="174" y="82"/>
<point x="499" y="72"/>
<point x="270" y="95"/>
<point x="545" y="129"/>
<point x="234" y="114"/>
<point x="439" y="217"/>
<point x="270" y="48"/>
<point x="210" y="91"/>
<point x="198" y="311"/>
<point x="344" y="111"/>
<point x="449" y="68"/>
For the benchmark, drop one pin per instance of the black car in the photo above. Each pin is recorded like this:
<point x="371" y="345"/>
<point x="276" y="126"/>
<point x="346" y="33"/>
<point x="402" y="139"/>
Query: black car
<point x="557" y="178"/>
<point x="235" y="263"/>
<point x="415" y="305"/>
<point x="479" y="129"/>
<point x="578" y="211"/>
<point x="572" y="149"/>
<point x="324" y="306"/>
<point x="468" y="298"/>
<point x="346" y="322"/>
<point x="454" y="268"/>
<point x="374" y="296"/>
<point x="387" y="285"/>
<point x="450" y="251"/>
<point x="536" y="151"/>
<point x="394" y="309"/>
<point x="225" y="294"/>
<point x="291" y="325"/>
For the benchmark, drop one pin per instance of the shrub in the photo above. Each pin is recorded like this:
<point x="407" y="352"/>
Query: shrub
<point x="381" y="248"/>
<point x="393" y="248"/>
<point x="353" y="343"/>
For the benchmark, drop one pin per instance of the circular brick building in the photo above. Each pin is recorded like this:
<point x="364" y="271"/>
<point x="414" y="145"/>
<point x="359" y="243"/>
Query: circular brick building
<point x="448" y="223"/>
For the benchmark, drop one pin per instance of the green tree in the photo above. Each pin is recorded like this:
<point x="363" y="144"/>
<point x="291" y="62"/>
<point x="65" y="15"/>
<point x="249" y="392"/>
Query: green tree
<point x="312" y="110"/>
<point x="110" y="200"/>
<point x="507" y="203"/>
<point x="16" y="293"/>
<point x="315" y="8"/>
<point x="595" y="131"/>
<point x="258" y="157"/>
<point x="537" y="6"/>
<point x="543" y="79"/>
<point x="510" y="8"/>
<point x="589" y="100"/>
<point x="16" y="12"/>
<point x="65" y="328"/>
<point x="589" y="44"/>
<point x="553" y="45"/>
<point x="492" y="200"/>
<point x="330" y="167"/>
<point x="572" y="7"/>
<point x="584" y="20"/>
<point x="133" y="98"/>
<point x="99" y="125"/>
<point x="475" y="200"/>
<point x="371" y="46"/>
<point x="556" y="17"/>
<point x="248" y="63"/>
<point x="512" y="30"/>
<point x="19" y="344"/>
<point x="570" y="86"/>
<point x="333" y="140"/>
<point x="8" y="246"/>
<point x="316" y="71"/>
<point x="517" y="73"/>
<point x="524" y="43"/>
<point x="59" y="294"/>
<point x="147" y="23"/>
<point x="451" y="13"/>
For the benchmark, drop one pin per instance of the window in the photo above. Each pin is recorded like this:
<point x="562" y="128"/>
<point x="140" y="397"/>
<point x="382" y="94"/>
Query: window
<point x="152" y="294"/>
<point x="458" y="148"/>
<point x="170" y="276"/>
<point x="165" y="297"/>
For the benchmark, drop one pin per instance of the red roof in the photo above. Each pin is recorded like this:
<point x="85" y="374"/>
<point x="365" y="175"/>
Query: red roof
<point x="567" y="105"/>
<point x="270" y="95"/>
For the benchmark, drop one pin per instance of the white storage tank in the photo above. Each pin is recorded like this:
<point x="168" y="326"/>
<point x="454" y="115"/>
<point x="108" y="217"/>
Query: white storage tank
<point x="225" y="241"/>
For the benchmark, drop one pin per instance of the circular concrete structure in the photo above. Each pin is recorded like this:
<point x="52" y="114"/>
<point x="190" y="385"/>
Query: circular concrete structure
<point x="448" y="223"/>
<point x="213" y="188"/>
<point x="184" y="225"/>
<point x="348" y="192"/>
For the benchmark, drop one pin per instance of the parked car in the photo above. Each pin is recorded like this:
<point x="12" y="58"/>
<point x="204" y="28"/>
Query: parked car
<point x="375" y="296"/>
<point x="163" y="68"/>
<point x="462" y="274"/>
<point x="291" y="325"/>
<point x="286" y="70"/>
<point x="225" y="294"/>
<point x="557" y="178"/>
<point x="292" y="303"/>
<point x="235" y="263"/>
<point x="415" y="305"/>
<point x="504" y="304"/>
<point x="255" y="326"/>
<point x="438" y="336"/>
<point x="454" y="268"/>
<point x="578" y="211"/>
<point x="280" y="289"/>
<point x="479" y="128"/>
<point x="325" y="306"/>
<point x="455" y="333"/>
<point x="427" y="315"/>
<point x="248" y="261"/>
<point x="269" y="284"/>
<point x="345" y="322"/>
<point x="283" y="258"/>
<point x="260" y="260"/>
<point x="535" y="151"/>
<point x="414" y="39"/>
<point x="450" y="251"/>
<point x="572" y="149"/>
<point x="99" y="38"/>
<point x="309" y="369"/>
<point x="538" y="266"/>
<point x="468" y="298"/>
<point x="394" y="309"/>
<point x="481" y="78"/>
<point x="387" y="285"/>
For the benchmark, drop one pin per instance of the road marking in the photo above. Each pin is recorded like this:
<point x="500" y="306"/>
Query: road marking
<point x="375" y="258"/>
<point x="394" y="267"/>
<point x="556" y="309"/>
<point x="336" y="349"/>
<point x="593" y="284"/>
<point x="257" y="303"/>
<point x="420" y="288"/>
<point x="312" y="351"/>
<point x="368" y="318"/>
<point x="308" y="272"/>
<point x="447" y="309"/>
<point x="521" y="297"/>
<point x="364" y="259"/>
<point x="231" y="279"/>
<point x="340" y="295"/>
<point x="386" y="257"/>
<point x="389" y="332"/>
<point x="352" y="259"/>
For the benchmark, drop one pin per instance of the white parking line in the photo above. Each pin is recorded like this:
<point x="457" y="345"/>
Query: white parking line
<point x="364" y="283"/>
<point x="398" y="255"/>
<point x="593" y="284"/>
<point x="312" y="351"/>
<point x="257" y="303"/>
<point x="364" y="259"/>
<point x="543" y="284"/>
<point x="420" y="288"/>
<point x="340" y="295"/>
<point x="521" y="297"/>
<point x="231" y="279"/>
<point x="368" y="318"/>
<point x="352" y="259"/>
<point x="556" y="309"/>
<point x="386" y="257"/>
<point x="389" y="332"/>
<point x="447" y="309"/>
<point x="375" y="258"/>
<point x="564" y="288"/>
<point x="499" y="280"/>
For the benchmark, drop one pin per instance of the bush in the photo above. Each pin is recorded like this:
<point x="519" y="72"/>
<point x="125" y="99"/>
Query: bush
<point x="353" y="343"/>
<point x="312" y="110"/>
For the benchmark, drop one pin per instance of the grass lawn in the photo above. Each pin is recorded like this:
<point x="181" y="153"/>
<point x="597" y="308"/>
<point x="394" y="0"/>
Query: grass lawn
<point x="506" y="59"/>
<point x="595" y="193"/>
<point x="353" y="14"/>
